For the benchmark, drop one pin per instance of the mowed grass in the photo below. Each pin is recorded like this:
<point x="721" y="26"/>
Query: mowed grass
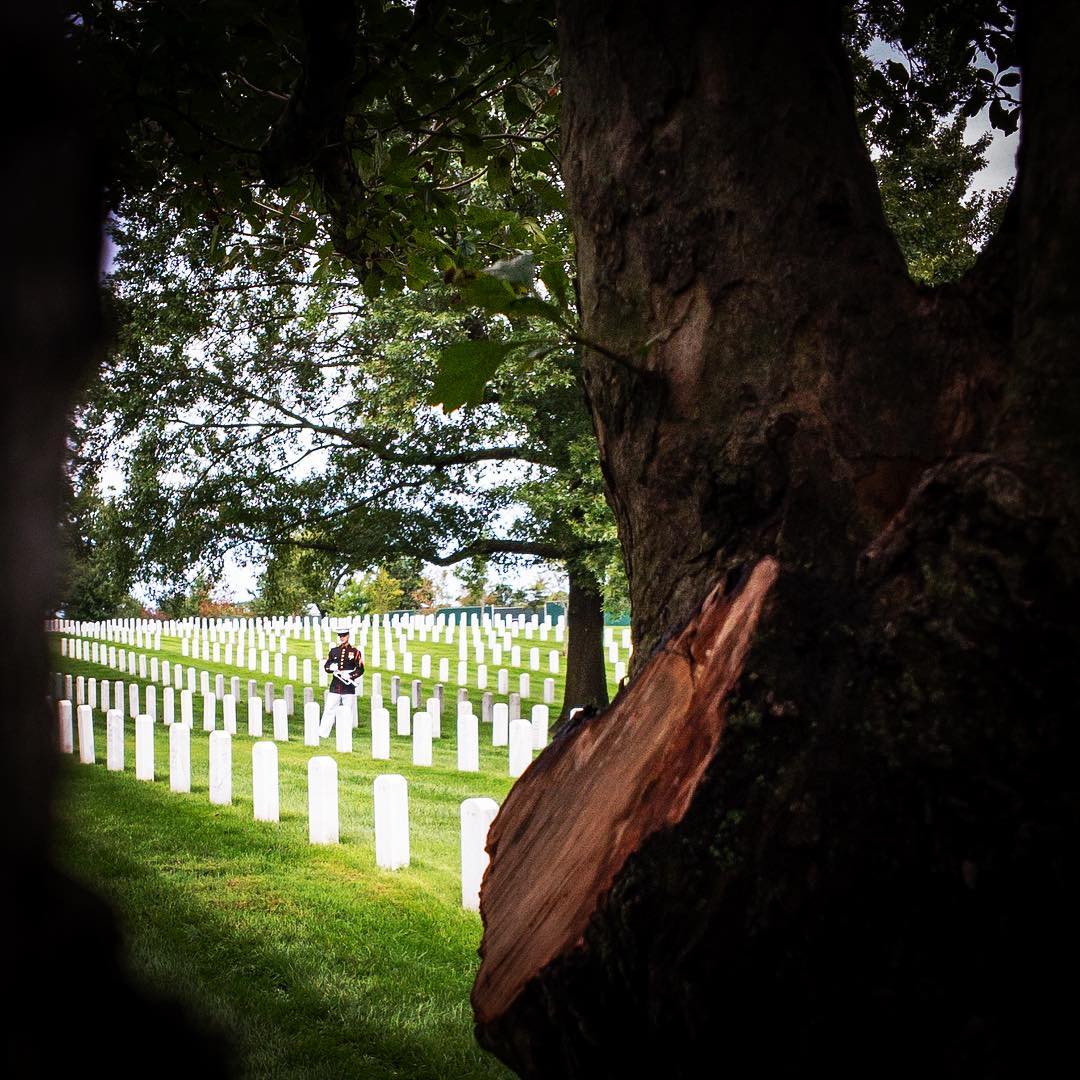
<point x="311" y="960"/>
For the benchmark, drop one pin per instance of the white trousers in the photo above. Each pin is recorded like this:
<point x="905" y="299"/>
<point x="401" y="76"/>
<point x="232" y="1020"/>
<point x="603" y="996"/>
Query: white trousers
<point x="326" y="724"/>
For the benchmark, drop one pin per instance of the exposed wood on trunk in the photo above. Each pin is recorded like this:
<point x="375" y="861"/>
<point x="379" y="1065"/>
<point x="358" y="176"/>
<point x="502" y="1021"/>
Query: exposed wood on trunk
<point x="627" y="773"/>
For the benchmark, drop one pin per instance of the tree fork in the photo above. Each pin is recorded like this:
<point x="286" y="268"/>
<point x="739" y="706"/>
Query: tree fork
<point x="877" y="853"/>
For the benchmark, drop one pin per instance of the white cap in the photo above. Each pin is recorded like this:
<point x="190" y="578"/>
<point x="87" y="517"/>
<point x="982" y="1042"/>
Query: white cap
<point x="343" y="628"/>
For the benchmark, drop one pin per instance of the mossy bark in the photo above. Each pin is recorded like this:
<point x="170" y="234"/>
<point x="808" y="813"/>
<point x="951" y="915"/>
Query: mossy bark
<point x="875" y="870"/>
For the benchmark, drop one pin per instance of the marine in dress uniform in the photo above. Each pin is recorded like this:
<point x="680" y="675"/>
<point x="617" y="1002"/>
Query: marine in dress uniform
<point x="346" y="659"/>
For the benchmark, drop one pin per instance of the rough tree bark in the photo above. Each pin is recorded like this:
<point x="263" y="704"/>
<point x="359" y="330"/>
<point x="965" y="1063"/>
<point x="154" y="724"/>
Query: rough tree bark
<point x="876" y="855"/>
<point x="586" y="677"/>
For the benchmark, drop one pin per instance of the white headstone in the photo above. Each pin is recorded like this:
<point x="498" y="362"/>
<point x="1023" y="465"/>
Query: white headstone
<point x="144" y="748"/>
<point x="168" y="705"/>
<point x="553" y="661"/>
<point x="114" y="741"/>
<point x="281" y="720"/>
<point x="343" y="729"/>
<point x="264" y="781"/>
<point x="180" y="758"/>
<point x="521" y="746"/>
<point x="323" y="799"/>
<point x="462" y="673"/>
<point x="220" y="768"/>
<point x="187" y="709"/>
<point x="468" y="742"/>
<point x="311" y="723"/>
<point x="549" y="691"/>
<point x="255" y="719"/>
<point x="391" y="822"/>
<point x="228" y="713"/>
<point x="500" y="724"/>
<point x="91" y="692"/>
<point x="421" y="739"/>
<point x="476" y="818"/>
<point x="380" y="734"/>
<point x="86" y="734"/>
<point x="209" y="712"/>
<point x="540" y="719"/>
<point x="444" y="670"/>
<point x="503" y="685"/>
<point x="64" y="729"/>
<point x="404" y="710"/>
<point x="524" y="686"/>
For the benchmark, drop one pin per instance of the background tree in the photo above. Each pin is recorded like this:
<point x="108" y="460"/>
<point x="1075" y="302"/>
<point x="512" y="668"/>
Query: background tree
<point x="288" y="414"/>
<point x="473" y="575"/>
<point x="98" y="567"/>
<point x="297" y="578"/>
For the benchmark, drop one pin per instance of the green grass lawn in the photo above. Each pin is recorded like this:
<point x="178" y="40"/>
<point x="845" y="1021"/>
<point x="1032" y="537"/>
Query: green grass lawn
<point x="310" y="959"/>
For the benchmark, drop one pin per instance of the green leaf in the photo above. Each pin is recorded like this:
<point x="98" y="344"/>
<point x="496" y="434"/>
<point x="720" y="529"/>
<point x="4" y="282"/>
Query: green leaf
<point x="548" y="194"/>
<point x="541" y="309"/>
<point x="515" y="105"/>
<point x="498" y="173"/>
<point x="553" y="275"/>
<point x="488" y="292"/>
<point x="535" y="160"/>
<point x="465" y="368"/>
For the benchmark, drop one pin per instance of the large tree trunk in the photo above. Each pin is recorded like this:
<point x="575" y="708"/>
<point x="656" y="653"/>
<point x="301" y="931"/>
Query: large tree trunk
<point x="586" y="677"/>
<point x="870" y="863"/>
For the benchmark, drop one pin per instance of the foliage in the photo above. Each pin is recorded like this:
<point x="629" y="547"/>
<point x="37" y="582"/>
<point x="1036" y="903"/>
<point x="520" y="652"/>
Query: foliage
<point x="203" y="598"/>
<point x="385" y="592"/>
<point x="473" y="576"/>
<point x="281" y="180"/>
<point x="98" y="568"/>
<point x="939" y="227"/>
<point x="296" y="578"/>
<point x="287" y="416"/>
<point x="374" y="593"/>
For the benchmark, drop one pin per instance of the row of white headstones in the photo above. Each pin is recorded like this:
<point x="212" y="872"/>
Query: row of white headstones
<point x="391" y="805"/>
<point x="400" y="630"/>
<point x="521" y="736"/>
<point x="162" y="670"/>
